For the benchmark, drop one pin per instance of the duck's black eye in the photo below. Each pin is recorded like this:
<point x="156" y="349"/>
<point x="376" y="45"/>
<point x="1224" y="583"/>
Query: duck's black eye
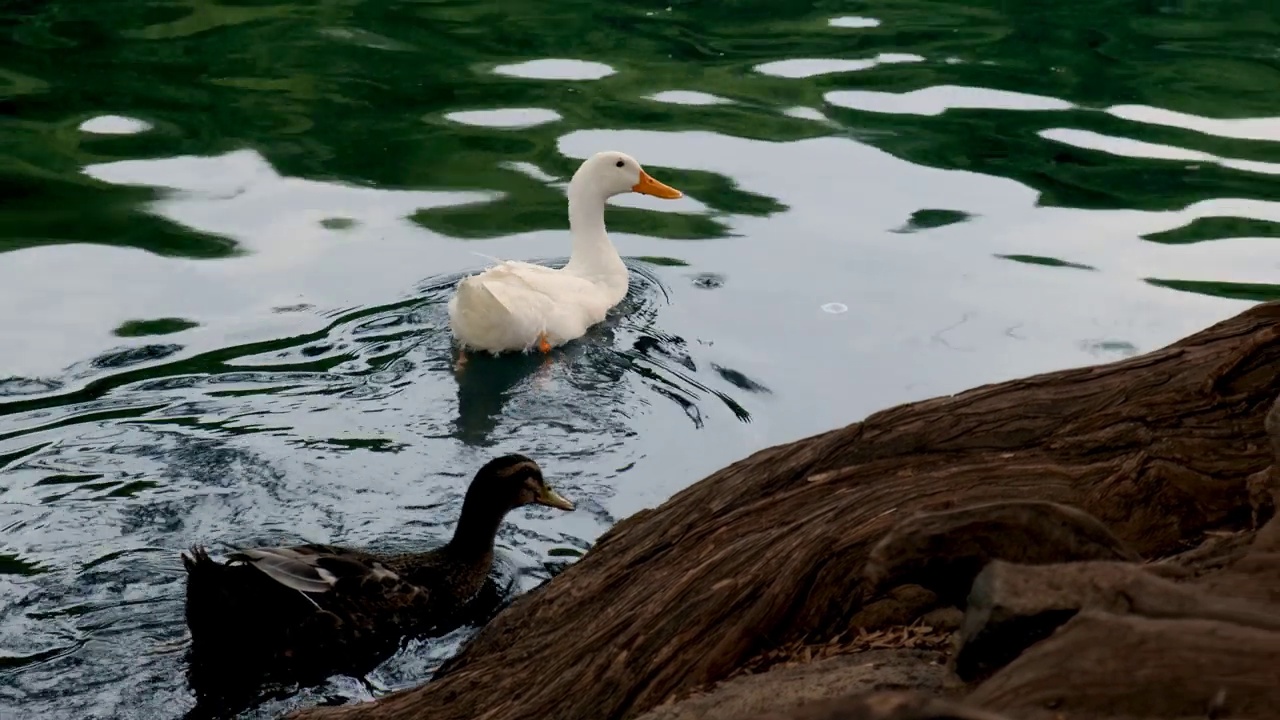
<point x="620" y="163"/>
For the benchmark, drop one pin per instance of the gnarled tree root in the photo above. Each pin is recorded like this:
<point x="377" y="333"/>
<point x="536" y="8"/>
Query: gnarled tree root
<point x="1101" y="665"/>
<point x="883" y="706"/>
<point x="1012" y="607"/>
<point x="943" y="551"/>
<point x="772" y="549"/>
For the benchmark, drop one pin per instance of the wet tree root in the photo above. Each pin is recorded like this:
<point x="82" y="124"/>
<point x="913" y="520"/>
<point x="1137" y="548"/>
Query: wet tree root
<point x="902" y="517"/>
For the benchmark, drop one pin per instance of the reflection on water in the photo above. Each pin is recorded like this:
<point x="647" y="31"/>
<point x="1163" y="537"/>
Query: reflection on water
<point x="514" y="118"/>
<point x="853" y="21"/>
<point x="688" y="97"/>
<point x="1264" y="128"/>
<point x="235" y="226"/>
<point x="556" y="69"/>
<point x="804" y="68"/>
<point x="941" y="98"/>
<point x="114" y="125"/>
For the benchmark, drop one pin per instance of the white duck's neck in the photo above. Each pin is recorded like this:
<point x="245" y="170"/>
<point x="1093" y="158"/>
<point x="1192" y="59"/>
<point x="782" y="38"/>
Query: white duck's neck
<point x="593" y="255"/>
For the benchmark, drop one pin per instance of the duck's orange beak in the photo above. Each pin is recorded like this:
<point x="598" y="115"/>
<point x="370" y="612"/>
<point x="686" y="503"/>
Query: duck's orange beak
<point x="649" y="186"/>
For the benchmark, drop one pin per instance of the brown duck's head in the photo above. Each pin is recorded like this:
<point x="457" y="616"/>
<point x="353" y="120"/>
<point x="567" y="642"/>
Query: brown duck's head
<point x="513" y="481"/>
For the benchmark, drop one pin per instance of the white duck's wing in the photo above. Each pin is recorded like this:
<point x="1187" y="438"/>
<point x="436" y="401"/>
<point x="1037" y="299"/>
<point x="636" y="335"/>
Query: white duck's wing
<point x="510" y="305"/>
<point x="520" y="284"/>
<point x="567" y="304"/>
<point x="508" y="284"/>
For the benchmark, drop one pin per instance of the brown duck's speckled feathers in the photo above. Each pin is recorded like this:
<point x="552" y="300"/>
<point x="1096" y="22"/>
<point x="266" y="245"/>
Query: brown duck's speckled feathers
<point x="304" y="612"/>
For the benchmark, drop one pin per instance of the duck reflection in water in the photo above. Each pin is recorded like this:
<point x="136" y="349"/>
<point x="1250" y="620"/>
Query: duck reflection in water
<point x="591" y="367"/>
<point x="275" y="616"/>
<point x="485" y="387"/>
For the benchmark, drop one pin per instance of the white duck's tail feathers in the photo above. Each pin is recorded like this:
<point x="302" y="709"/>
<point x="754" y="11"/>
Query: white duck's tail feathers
<point x="474" y="296"/>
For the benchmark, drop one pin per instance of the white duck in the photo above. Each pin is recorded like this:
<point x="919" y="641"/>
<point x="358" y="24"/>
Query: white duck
<point x="515" y="306"/>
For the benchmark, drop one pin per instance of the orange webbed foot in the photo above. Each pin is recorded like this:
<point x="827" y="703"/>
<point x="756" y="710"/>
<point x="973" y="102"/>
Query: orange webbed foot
<point x="543" y="345"/>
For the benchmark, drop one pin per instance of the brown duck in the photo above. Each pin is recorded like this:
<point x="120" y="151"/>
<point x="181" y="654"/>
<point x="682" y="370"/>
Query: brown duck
<point x="304" y="612"/>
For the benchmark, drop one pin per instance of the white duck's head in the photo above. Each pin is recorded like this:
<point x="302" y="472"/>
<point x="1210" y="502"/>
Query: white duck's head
<point x="612" y="173"/>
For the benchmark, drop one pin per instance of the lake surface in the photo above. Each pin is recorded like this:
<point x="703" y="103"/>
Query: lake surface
<point x="228" y="230"/>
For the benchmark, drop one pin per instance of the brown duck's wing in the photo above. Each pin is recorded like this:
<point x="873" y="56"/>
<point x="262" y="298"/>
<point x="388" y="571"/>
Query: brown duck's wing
<point x="313" y="568"/>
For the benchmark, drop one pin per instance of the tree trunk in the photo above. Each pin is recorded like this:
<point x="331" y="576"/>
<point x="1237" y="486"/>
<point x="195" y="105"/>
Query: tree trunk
<point x="772" y="549"/>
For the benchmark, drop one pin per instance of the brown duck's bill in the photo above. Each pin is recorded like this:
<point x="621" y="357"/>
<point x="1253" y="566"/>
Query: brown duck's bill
<point x="551" y="498"/>
<point x="649" y="186"/>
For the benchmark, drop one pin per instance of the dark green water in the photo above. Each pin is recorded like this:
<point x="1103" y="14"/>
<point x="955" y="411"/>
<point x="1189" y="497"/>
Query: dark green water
<point x="227" y="231"/>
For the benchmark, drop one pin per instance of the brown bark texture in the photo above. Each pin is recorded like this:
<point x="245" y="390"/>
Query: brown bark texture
<point x="1102" y="664"/>
<point x="883" y="706"/>
<point x="1146" y="455"/>
<point x="1012" y="607"/>
<point x="943" y="551"/>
